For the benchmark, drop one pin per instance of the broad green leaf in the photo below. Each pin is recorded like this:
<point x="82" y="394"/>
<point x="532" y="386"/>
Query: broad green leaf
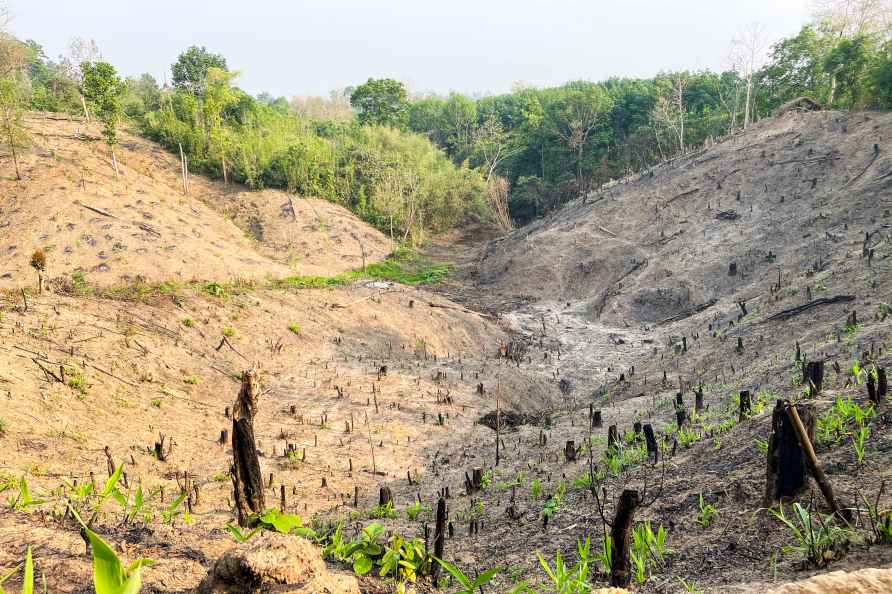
<point x="112" y="482"/>
<point x="362" y="565"/>
<point x="108" y="574"/>
<point x="456" y="573"/>
<point x="486" y="576"/>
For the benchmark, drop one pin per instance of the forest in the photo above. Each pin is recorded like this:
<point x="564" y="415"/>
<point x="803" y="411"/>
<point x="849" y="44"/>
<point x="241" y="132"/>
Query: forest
<point x="415" y="164"/>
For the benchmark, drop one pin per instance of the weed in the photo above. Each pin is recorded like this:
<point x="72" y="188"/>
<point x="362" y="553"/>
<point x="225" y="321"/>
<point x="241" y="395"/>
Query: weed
<point x="536" y="488"/>
<point x="156" y="402"/>
<point x="706" y="514"/>
<point x="383" y="511"/>
<point x="858" y="438"/>
<point x="228" y="332"/>
<point x="238" y="535"/>
<point x="567" y="579"/>
<point x="689" y="587"/>
<point x="416" y="509"/>
<point x="816" y="536"/>
<point x="467" y="585"/>
<point x="27" y="574"/>
<point x="761" y="444"/>
<point x="188" y="322"/>
<point x="191" y="380"/>
<point x="294" y="328"/>
<point x="486" y="479"/>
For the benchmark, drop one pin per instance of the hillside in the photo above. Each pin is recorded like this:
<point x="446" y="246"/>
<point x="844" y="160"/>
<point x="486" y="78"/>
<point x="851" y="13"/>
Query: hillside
<point x="612" y="304"/>
<point x="144" y="227"/>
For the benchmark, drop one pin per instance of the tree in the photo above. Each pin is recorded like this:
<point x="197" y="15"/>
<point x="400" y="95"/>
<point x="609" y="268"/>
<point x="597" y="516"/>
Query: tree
<point x="881" y="78"/>
<point x="13" y="101"/>
<point x="747" y="50"/>
<point x="795" y="68"/>
<point x="493" y="144"/>
<point x="847" y="65"/>
<point x="218" y="95"/>
<point x="382" y="102"/>
<point x="670" y="107"/>
<point x="105" y="90"/>
<point x="192" y="66"/>
<point x="577" y="115"/>
<point x="143" y="95"/>
<point x="850" y="18"/>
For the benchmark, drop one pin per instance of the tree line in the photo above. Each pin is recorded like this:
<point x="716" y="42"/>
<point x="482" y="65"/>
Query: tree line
<point x="412" y="165"/>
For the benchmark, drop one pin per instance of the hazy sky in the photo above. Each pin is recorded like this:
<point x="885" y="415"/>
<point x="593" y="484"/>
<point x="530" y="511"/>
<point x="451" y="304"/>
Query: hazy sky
<point x="302" y="47"/>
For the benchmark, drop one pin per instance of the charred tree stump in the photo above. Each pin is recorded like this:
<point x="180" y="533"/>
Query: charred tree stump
<point x="872" y="389"/>
<point x="746" y="405"/>
<point x="612" y="439"/>
<point x="596" y="419"/>
<point x="385" y="496"/>
<point x="698" y="400"/>
<point x="439" y="536"/>
<point x="570" y="451"/>
<point x="813" y="376"/>
<point x="786" y="466"/>
<point x="652" y="448"/>
<point x="882" y="384"/>
<point x="247" y="481"/>
<point x="620" y="532"/>
<point x="476" y="478"/>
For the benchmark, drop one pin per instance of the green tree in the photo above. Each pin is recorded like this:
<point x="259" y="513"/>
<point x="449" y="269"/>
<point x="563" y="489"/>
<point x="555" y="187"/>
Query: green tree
<point x="881" y="78"/>
<point x="218" y="96"/>
<point x="382" y="102"/>
<point x="576" y="115"/>
<point x="847" y="65"/>
<point x="104" y="90"/>
<point x="191" y="68"/>
<point x="13" y="100"/>
<point x="143" y="95"/>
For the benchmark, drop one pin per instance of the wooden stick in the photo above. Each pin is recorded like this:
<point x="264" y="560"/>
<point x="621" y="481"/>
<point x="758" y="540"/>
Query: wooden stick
<point x="812" y="460"/>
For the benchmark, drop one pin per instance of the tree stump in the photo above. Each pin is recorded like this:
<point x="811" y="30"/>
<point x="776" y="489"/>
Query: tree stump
<point x="247" y="481"/>
<point x="385" y="496"/>
<point x="476" y="478"/>
<point x="698" y="400"/>
<point x="439" y="535"/>
<point x="786" y="469"/>
<point x="620" y="533"/>
<point x="596" y="419"/>
<point x="612" y="438"/>
<point x="813" y="376"/>
<point x="882" y="384"/>
<point x="652" y="448"/>
<point x="745" y="405"/>
<point x="570" y="451"/>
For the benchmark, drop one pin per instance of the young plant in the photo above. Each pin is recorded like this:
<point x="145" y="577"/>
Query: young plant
<point x="27" y="576"/>
<point x="238" y="535"/>
<point x="416" y="509"/>
<point x="816" y="536"/>
<point x="707" y="512"/>
<point x="858" y="439"/>
<point x="467" y="585"/>
<point x="566" y="579"/>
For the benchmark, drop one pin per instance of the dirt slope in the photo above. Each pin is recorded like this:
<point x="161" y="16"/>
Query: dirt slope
<point x="803" y="188"/>
<point x="147" y="228"/>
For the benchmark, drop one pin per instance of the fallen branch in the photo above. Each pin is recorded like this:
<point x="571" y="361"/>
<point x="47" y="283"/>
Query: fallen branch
<point x="789" y="313"/>
<point x="682" y="195"/>
<point x="112" y="375"/>
<point x="688" y="312"/>
<point x="104" y="213"/>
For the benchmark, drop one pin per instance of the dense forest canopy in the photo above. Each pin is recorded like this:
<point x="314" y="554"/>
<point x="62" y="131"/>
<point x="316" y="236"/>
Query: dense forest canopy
<point x="415" y="165"/>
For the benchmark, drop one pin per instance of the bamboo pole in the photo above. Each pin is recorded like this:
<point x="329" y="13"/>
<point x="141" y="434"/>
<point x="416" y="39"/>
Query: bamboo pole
<point x="812" y="460"/>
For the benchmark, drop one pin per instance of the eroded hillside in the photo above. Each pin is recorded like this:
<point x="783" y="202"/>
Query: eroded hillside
<point x="143" y="225"/>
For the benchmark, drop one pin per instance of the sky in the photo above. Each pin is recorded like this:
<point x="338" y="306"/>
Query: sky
<point x="309" y="47"/>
